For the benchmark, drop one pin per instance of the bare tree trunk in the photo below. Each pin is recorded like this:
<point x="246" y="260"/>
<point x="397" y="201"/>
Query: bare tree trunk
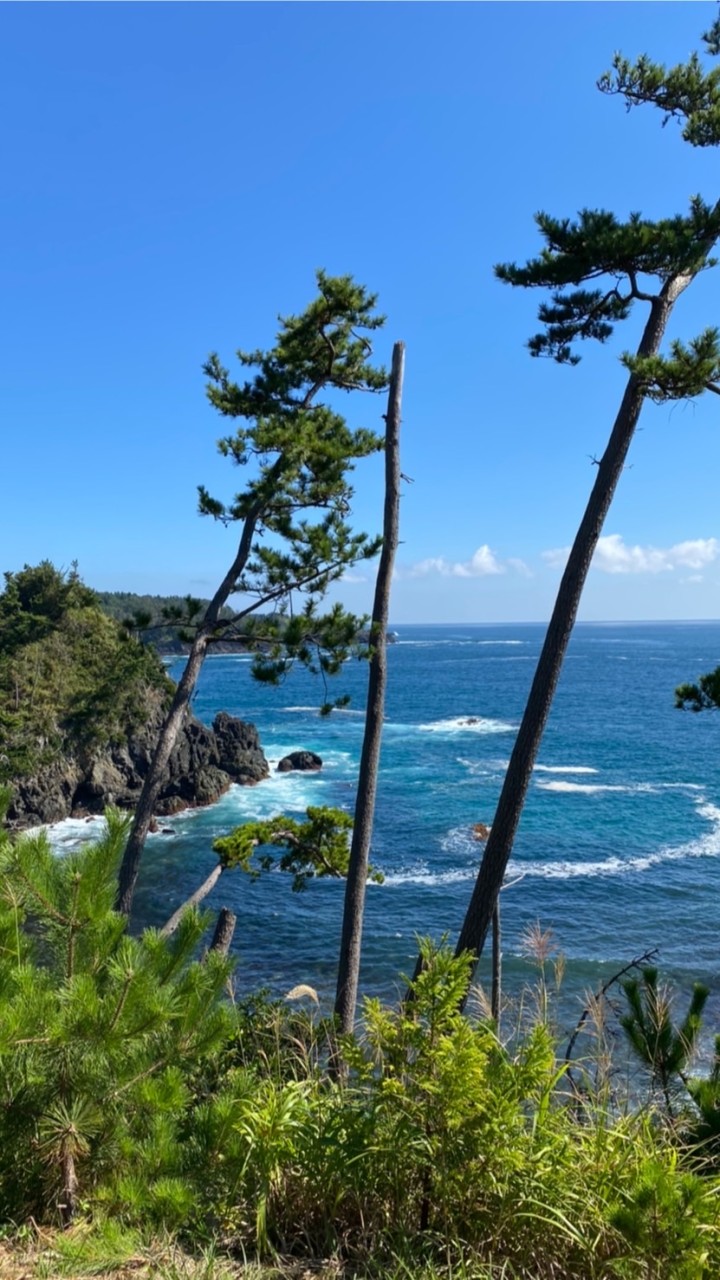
<point x="224" y="930"/>
<point x="351" y="941"/>
<point x="171" y="925"/>
<point x="68" y="1206"/>
<point x="152" y="786"/>
<point x="517" y="779"/>
<point x="496" y="991"/>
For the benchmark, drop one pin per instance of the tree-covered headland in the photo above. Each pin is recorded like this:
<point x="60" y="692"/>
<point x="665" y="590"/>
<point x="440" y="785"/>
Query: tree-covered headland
<point x="70" y="677"/>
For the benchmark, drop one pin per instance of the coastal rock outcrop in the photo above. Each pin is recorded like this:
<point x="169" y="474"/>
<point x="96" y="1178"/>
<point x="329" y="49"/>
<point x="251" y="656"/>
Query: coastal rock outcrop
<point x="302" y="761"/>
<point x="204" y="763"/>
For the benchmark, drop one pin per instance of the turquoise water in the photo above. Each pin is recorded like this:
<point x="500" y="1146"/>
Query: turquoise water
<point x="619" y="844"/>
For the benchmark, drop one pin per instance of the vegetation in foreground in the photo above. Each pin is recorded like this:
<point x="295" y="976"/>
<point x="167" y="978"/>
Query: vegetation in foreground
<point x="140" y="1103"/>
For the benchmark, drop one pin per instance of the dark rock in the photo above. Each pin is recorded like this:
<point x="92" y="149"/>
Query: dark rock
<point x="239" y="750"/>
<point x="204" y="763"/>
<point x="305" y="761"/>
<point x="209" y="784"/>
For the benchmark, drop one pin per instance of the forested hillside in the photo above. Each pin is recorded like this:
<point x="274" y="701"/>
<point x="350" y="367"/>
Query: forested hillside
<point x="69" y="676"/>
<point x="81" y="703"/>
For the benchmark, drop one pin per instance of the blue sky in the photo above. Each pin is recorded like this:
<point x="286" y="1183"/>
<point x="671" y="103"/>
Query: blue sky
<point x="172" y="176"/>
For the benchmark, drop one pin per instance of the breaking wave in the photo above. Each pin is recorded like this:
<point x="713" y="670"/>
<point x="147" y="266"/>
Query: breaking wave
<point x="468" y="724"/>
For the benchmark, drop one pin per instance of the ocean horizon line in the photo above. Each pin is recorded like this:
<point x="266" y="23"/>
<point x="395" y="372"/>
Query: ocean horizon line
<point x="585" y="622"/>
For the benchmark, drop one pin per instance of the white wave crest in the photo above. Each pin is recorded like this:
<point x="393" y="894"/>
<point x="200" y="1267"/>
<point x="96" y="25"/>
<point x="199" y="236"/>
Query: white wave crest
<point x="564" y="768"/>
<point x="70" y="833"/>
<point x="461" y="840"/>
<point x="467" y="724"/>
<point x="337" y="711"/>
<point x="421" y="875"/>
<point x="628" y="788"/>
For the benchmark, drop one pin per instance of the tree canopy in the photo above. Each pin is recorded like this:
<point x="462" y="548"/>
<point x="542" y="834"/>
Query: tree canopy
<point x="295" y="538"/>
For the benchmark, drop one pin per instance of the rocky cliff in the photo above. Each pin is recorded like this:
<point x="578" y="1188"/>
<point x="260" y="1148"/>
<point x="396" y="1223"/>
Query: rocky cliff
<point x="81" y="705"/>
<point x="203" y="765"/>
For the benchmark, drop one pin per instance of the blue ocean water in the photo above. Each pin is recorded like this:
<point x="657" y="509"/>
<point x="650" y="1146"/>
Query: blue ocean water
<point x="618" y="848"/>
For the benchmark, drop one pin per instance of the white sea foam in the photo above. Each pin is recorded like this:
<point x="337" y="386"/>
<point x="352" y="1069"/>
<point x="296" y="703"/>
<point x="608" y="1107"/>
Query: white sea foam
<point x="564" y="768"/>
<point x="421" y="875"/>
<point x="424" y="644"/>
<point x="629" y="788"/>
<point x="337" y="711"/>
<point x="460" y="840"/>
<point x="468" y="724"/>
<point x="705" y="846"/>
<point x="502" y="642"/>
<point x="71" y="832"/>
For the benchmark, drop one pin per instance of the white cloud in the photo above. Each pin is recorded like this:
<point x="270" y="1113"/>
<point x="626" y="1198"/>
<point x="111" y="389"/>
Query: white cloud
<point x="353" y="577"/>
<point x="613" y="555"/>
<point x="482" y="564"/>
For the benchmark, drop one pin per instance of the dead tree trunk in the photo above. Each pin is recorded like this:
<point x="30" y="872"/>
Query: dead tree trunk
<point x="496" y="990"/>
<point x="224" y="930"/>
<point x="351" y="941"/>
<point x="202" y="892"/>
<point x="517" y="779"/>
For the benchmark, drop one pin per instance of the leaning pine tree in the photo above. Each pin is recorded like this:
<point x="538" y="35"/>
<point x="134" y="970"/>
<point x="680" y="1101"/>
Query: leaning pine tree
<point x="294" y="538"/>
<point x="597" y="269"/>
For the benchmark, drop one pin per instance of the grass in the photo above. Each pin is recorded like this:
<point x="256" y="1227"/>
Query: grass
<point x="112" y="1253"/>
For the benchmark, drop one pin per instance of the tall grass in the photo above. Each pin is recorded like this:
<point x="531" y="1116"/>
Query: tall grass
<point x="134" y="1100"/>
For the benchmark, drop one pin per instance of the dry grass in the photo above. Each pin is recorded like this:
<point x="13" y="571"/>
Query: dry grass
<point x="46" y="1256"/>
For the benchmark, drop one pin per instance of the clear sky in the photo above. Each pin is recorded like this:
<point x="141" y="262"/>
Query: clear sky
<point x="172" y="175"/>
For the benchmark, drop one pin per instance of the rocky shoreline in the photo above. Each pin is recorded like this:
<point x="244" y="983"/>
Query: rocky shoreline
<point x="204" y="763"/>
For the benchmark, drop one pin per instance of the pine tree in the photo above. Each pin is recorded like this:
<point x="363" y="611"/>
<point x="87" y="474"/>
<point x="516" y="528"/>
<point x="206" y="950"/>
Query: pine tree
<point x="664" y="1049"/>
<point x="703" y="696"/>
<point x="99" y="1034"/>
<point x="292" y="515"/>
<point x="598" y="269"/>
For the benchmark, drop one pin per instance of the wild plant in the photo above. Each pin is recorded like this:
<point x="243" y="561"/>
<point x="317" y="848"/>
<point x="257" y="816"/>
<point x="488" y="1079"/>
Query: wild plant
<point x="99" y="1032"/>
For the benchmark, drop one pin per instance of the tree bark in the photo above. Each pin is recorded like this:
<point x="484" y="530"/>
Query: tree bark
<point x="496" y="990"/>
<point x="152" y="786"/>
<point x="224" y="930"/>
<point x="202" y="892"/>
<point x="351" y="941"/>
<point x="68" y="1205"/>
<point x="517" y="779"/>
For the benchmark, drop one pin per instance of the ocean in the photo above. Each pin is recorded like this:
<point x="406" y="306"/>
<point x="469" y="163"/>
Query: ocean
<point x="618" y="849"/>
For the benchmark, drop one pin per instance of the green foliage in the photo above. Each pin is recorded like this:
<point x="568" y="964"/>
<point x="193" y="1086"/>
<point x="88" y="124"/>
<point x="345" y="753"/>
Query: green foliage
<point x="702" y="696"/>
<point x="685" y="92"/>
<point x="317" y="846"/>
<point x="598" y="246"/>
<point x="659" y="1219"/>
<point x="299" y="453"/>
<point x="703" y="1128"/>
<point x="162" y="621"/>
<point x="442" y="1148"/>
<point x="35" y="601"/>
<point x="636" y="259"/>
<point x="664" y="1049"/>
<point x="688" y="370"/>
<point x="441" y="1143"/>
<point x="99" y="1035"/>
<point x="69" y="676"/>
